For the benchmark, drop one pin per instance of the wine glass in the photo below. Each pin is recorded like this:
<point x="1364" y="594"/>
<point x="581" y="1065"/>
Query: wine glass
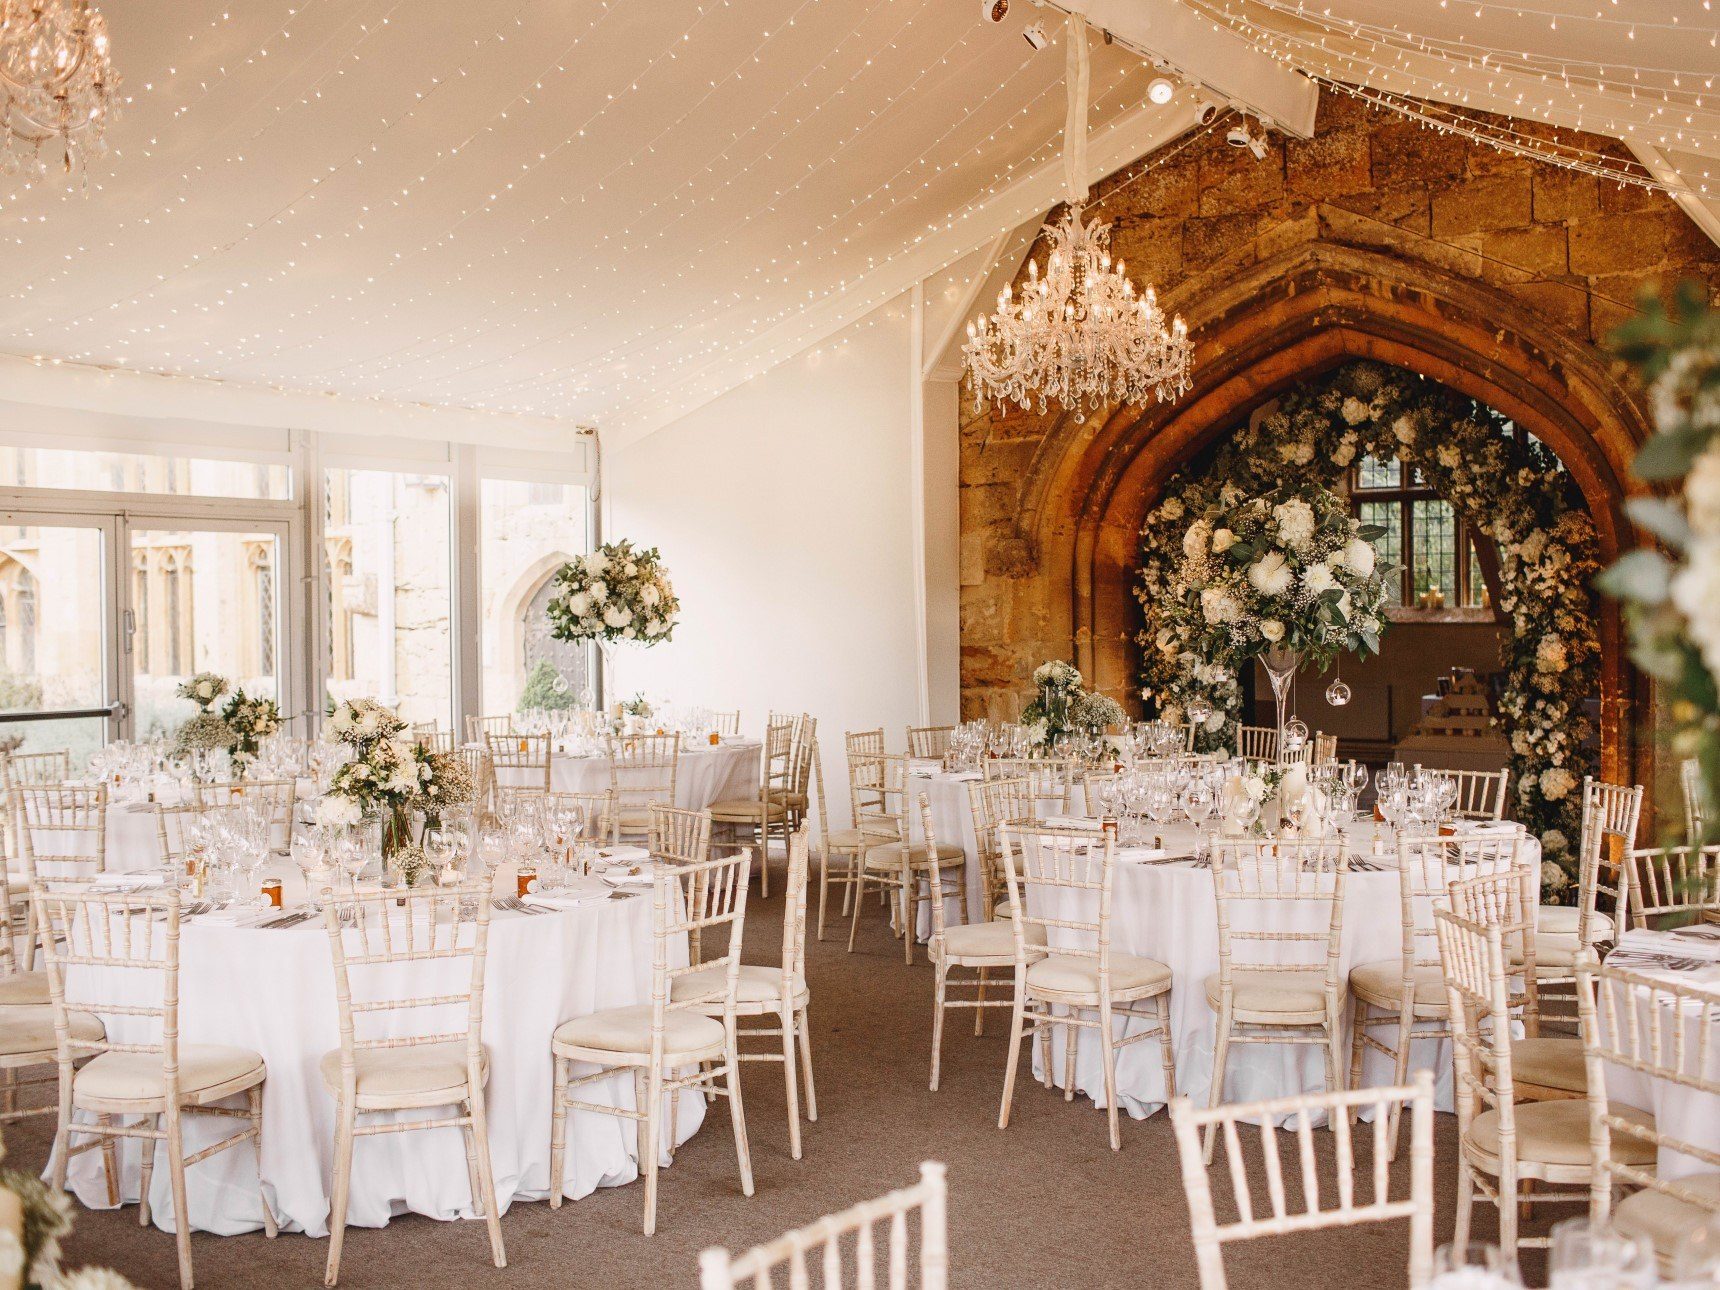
<point x="1476" y="1266"/>
<point x="1586" y="1255"/>
<point x="310" y="848"/>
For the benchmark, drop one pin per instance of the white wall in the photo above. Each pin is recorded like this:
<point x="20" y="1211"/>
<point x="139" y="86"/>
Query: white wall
<point x="784" y="512"/>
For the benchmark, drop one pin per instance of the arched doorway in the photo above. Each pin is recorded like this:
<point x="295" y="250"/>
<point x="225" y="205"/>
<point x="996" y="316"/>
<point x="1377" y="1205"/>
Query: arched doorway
<point x="568" y="659"/>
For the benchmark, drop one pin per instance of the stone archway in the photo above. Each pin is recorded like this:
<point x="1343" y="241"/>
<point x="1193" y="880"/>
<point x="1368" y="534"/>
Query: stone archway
<point x="1278" y="321"/>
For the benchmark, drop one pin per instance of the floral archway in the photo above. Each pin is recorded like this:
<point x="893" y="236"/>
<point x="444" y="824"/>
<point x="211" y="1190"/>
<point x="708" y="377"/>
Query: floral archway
<point x="1509" y="487"/>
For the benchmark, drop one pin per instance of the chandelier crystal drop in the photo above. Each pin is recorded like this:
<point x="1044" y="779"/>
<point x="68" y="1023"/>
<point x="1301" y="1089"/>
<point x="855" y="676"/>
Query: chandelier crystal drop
<point x="1079" y="333"/>
<point x="56" y="82"/>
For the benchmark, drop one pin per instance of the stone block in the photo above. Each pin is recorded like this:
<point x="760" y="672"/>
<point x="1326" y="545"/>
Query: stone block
<point x="1407" y="208"/>
<point x="1329" y="164"/>
<point x="1172" y="188"/>
<point x="1009" y="557"/>
<point x="1538" y="251"/>
<point x="1151" y="249"/>
<point x="1563" y="299"/>
<point x="1609" y="244"/>
<point x="1481" y="205"/>
<point x="1209" y="239"/>
<point x="1232" y="180"/>
<point x="1405" y="155"/>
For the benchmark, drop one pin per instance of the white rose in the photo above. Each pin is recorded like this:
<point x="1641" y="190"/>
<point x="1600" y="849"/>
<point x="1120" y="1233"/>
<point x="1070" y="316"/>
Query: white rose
<point x="1223" y="540"/>
<point x="1317" y="578"/>
<point x="1702" y="492"/>
<point x="1359" y="557"/>
<point x="630" y="570"/>
<point x="616" y="616"/>
<point x="1271" y="575"/>
<point x="1272" y="630"/>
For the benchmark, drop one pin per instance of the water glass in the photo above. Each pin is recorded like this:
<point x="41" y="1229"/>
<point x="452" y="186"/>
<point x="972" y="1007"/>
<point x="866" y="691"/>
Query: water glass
<point x="1586" y="1255"/>
<point x="1476" y="1266"/>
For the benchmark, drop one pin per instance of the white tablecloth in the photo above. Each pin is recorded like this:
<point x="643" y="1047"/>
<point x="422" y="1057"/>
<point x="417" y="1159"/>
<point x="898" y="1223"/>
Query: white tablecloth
<point x="273" y="991"/>
<point x="706" y="774"/>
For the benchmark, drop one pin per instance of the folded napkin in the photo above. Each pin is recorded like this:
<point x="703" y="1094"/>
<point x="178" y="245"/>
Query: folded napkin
<point x="1483" y="827"/>
<point x="576" y="892"/>
<point x="238" y="916"/>
<point x="126" y="881"/>
<point x="1143" y="855"/>
<point x="1684" y="942"/>
<point x="625" y="854"/>
<point x="1071" y="821"/>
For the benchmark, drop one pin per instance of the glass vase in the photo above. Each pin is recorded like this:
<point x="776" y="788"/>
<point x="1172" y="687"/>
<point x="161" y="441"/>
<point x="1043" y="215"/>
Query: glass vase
<point x="1281" y="664"/>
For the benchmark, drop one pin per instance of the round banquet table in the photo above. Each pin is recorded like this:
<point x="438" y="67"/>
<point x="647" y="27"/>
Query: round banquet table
<point x="272" y="990"/>
<point x="1168" y="912"/>
<point x="707" y="773"/>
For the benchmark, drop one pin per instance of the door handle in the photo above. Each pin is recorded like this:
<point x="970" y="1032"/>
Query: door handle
<point x="129" y="623"/>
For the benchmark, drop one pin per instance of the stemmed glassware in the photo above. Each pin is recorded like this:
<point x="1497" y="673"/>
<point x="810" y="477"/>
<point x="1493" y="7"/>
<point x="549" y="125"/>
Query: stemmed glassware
<point x="1476" y="1266"/>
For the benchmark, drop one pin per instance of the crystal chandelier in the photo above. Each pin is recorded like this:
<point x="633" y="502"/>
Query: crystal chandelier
<point x="1079" y="333"/>
<point x="55" y="80"/>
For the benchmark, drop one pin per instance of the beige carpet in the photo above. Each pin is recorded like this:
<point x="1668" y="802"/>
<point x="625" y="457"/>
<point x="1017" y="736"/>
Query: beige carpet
<point x="1043" y="1203"/>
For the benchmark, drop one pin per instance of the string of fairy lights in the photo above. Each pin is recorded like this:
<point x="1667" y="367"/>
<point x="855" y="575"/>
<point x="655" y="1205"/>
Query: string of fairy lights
<point x="605" y="276"/>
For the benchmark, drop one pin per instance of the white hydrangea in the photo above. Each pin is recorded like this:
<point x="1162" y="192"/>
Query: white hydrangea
<point x="1295" y="523"/>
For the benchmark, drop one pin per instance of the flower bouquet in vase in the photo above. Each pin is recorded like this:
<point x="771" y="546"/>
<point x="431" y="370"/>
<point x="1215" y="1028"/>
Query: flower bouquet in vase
<point x="1062" y="708"/>
<point x="383" y="776"/>
<point x="618" y="594"/>
<point x="1288" y="578"/>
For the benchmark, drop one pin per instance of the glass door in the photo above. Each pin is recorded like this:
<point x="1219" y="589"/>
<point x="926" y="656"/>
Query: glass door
<point x="202" y="596"/>
<point x="59" y="673"/>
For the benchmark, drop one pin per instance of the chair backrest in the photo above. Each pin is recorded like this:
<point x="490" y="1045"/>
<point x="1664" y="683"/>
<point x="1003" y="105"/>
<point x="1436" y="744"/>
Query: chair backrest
<point x="1051" y="780"/>
<point x="880" y="786"/>
<point x="125" y="947"/>
<point x="1668" y="882"/>
<point x="1259" y="886"/>
<point x="1473" y="959"/>
<point x="482" y="771"/>
<point x="1094" y="785"/>
<point x="643" y="770"/>
<point x="39" y="768"/>
<point x="776" y="759"/>
<point x="1072" y="872"/>
<point x="993" y="803"/>
<point x="12" y="922"/>
<point x="801" y="757"/>
<point x="477" y="728"/>
<point x="1663" y="1031"/>
<point x="443" y="932"/>
<point x="278" y="794"/>
<point x="1508" y="900"/>
<point x="1257" y="743"/>
<point x="61" y="831"/>
<point x="172" y="823"/>
<point x="1306" y="1206"/>
<point x="596" y="813"/>
<point x="1480" y="793"/>
<point x="699" y="907"/>
<point x="794" y="914"/>
<point x="434" y="740"/>
<point x="1695" y="800"/>
<point x="1611" y="813"/>
<point x="819" y="1246"/>
<point x="864" y="743"/>
<point x="1427" y="867"/>
<point x="679" y="836"/>
<point x="726" y="723"/>
<point x="525" y="757"/>
<point x="929" y="741"/>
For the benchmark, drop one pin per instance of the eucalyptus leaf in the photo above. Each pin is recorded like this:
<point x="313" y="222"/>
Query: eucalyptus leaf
<point x="1662" y="517"/>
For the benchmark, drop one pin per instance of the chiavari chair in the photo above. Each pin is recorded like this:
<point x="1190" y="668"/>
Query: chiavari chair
<point x="753" y="821"/>
<point x="1395" y="1003"/>
<point x="476" y="758"/>
<point x="1695" y="801"/>
<point x="1611" y="813"/>
<point x="1660" y="1030"/>
<point x="678" y="835"/>
<point x="520" y="760"/>
<point x="643" y="770"/>
<point x="142" y="1083"/>
<point x="796" y="791"/>
<point x="596" y="810"/>
<point x="1094" y="785"/>
<point x="1673" y="883"/>
<point x="277" y="796"/>
<point x="1257" y="743"/>
<point x="479" y="729"/>
<point x="1051" y="780"/>
<point x="61" y="831"/>
<point x="1274" y="985"/>
<point x="1480" y="793"/>
<point x="821" y="1245"/>
<point x="777" y="991"/>
<point x="409" y="1042"/>
<point x="931" y="742"/>
<point x="893" y="862"/>
<point x="964" y="956"/>
<point x="27" y="1037"/>
<point x="727" y="723"/>
<point x="839" y="850"/>
<point x="864" y="743"/>
<point x="1503" y="1143"/>
<point x="994" y="803"/>
<point x="1074" y="971"/>
<point x="1304" y="1208"/>
<point x="1543" y="1067"/>
<point x="436" y="741"/>
<point x="660" y="1040"/>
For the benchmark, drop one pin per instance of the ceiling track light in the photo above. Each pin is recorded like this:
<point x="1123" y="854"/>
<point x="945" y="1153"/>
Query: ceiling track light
<point x="1161" y="90"/>
<point x="1037" y="36"/>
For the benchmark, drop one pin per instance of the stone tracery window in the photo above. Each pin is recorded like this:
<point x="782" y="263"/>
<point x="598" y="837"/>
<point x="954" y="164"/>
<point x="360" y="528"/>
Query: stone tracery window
<point x="1440" y="555"/>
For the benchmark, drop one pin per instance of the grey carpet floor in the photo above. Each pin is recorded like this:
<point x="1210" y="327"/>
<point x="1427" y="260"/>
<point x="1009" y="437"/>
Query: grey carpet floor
<point x="1043" y="1203"/>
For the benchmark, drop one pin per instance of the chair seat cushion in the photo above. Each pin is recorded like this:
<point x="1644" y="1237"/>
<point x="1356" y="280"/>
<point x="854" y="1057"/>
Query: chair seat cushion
<point x="1557" y="1133"/>
<point x="889" y="856"/>
<point x="789" y="797"/>
<point x="137" y="1077"/>
<point x="754" y="983"/>
<point x="858" y="839"/>
<point x="31" y="1030"/>
<point x="23" y="988"/>
<point x="628" y="1030"/>
<point x="1069" y="974"/>
<point x="1550" y="1063"/>
<point x="993" y="940"/>
<point x="1381" y="984"/>
<point x="1562" y="920"/>
<point x="1665" y="1219"/>
<point x="746" y="810"/>
<point x="409" y="1073"/>
<point x="1264" y="995"/>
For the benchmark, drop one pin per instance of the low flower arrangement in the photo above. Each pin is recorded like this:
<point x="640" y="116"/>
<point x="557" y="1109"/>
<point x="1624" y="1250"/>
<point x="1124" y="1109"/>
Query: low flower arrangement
<point x="383" y="775"/>
<point x="251" y="721"/>
<point x="618" y="592"/>
<point x="203" y="689"/>
<point x="1061" y="706"/>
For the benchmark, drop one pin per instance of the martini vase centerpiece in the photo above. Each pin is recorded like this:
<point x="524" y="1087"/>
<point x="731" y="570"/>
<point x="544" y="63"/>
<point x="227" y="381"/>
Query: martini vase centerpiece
<point x="1281" y="664"/>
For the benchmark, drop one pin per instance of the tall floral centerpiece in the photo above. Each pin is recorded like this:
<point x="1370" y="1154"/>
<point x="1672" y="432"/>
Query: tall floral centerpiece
<point x="251" y="721"/>
<point x="1288" y="578"/>
<point x="383" y="776"/>
<point x="1673" y="596"/>
<point x="618" y="594"/>
<point x="1061" y="706"/>
<point x="206" y="731"/>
